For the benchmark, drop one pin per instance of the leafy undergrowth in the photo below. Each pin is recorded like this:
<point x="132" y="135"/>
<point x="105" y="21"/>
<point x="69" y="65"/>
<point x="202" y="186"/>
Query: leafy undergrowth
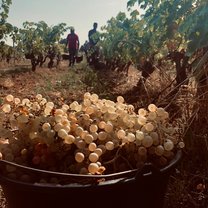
<point x="187" y="187"/>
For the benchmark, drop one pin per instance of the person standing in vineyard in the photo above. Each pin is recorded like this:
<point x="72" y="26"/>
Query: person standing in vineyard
<point x="93" y="37"/>
<point x="73" y="45"/>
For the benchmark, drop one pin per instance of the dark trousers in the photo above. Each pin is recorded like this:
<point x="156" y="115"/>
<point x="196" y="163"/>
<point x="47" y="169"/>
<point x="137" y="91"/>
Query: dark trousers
<point x="72" y="56"/>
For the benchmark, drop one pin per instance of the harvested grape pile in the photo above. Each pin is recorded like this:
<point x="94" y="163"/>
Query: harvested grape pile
<point x="84" y="138"/>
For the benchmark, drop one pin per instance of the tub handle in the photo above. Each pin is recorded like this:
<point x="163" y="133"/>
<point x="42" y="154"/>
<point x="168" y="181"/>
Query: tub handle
<point x="148" y="169"/>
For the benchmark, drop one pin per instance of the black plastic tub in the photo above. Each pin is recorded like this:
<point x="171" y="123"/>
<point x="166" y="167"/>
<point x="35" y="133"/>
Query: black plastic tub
<point x="143" y="189"/>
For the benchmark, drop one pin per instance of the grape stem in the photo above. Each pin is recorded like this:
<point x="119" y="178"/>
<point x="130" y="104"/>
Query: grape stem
<point x="117" y="155"/>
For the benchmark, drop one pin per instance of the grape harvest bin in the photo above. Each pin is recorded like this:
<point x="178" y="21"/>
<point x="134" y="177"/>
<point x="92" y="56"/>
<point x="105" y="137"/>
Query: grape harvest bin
<point x="142" y="189"/>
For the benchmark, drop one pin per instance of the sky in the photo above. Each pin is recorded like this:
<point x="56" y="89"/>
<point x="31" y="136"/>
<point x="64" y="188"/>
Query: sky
<point x="78" y="13"/>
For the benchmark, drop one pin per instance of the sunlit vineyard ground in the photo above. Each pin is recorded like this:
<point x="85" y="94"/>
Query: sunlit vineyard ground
<point x="187" y="187"/>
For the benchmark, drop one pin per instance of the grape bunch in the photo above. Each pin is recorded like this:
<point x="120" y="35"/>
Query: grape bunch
<point x="95" y="136"/>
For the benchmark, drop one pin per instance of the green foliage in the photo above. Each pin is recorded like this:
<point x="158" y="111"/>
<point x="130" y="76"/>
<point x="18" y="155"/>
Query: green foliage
<point x="4" y="9"/>
<point x="185" y="21"/>
<point x="165" y="26"/>
<point x="39" y="37"/>
<point x="195" y="27"/>
<point x="6" y="51"/>
<point x="119" y="40"/>
<point x="39" y="41"/>
<point x="5" y="27"/>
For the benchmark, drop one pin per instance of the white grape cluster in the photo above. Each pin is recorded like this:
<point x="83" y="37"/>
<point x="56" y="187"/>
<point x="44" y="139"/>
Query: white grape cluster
<point x="96" y="136"/>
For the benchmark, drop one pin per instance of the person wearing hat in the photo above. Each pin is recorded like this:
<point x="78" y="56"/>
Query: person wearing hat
<point x="73" y="45"/>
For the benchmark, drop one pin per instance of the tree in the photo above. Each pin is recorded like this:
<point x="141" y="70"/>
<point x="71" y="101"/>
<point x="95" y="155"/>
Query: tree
<point x="5" y="27"/>
<point x="39" y="41"/>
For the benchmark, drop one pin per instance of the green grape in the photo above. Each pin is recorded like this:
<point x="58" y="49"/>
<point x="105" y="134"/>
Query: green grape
<point x="113" y="116"/>
<point x="58" y="117"/>
<point x="95" y="135"/>
<point x="92" y="146"/>
<point x="59" y="112"/>
<point x="79" y="157"/>
<point x="108" y="127"/>
<point x="58" y="126"/>
<point x="149" y="127"/>
<point x="69" y="139"/>
<point x="67" y="128"/>
<point x="102" y="135"/>
<point x="79" y="130"/>
<point x="25" y="101"/>
<point x="168" y="145"/>
<point x="142" y="112"/>
<point x="142" y="120"/>
<point x="65" y="107"/>
<point x="130" y="108"/>
<point x="120" y="99"/>
<point x="36" y="106"/>
<point x="139" y="135"/>
<point x="84" y="134"/>
<point x="121" y="134"/>
<point x="160" y="112"/>
<point x="94" y="98"/>
<point x="93" y="157"/>
<point x="39" y="97"/>
<point x="50" y="105"/>
<point x="159" y="150"/>
<point x="93" y="168"/>
<point x="87" y="95"/>
<point x="24" y="151"/>
<point x="152" y="107"/>
<point x="17" y="101"/>
<point x="109" y="145"/>
<point x="87" y="102"/>
<point x="6" y="108"/>
<point x="88" y="138"/>
<point x="111" y="109"/>
<point x="104" y="109"/>
<point x="46" y="127"/>
<point x="81" y="144"/>
<point x="181" y="145"/>
<point x="152" y="116"/>
<point x="131" y="137"/>
<point x="89" y="110"/>
<point x="99" y="150"/>
<point x="10" y="98"/>
<point x="62" y="133"/>
<point x="147" y="141"/>
<point x="93" y="128"/>
<point x="65" y="121"/>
